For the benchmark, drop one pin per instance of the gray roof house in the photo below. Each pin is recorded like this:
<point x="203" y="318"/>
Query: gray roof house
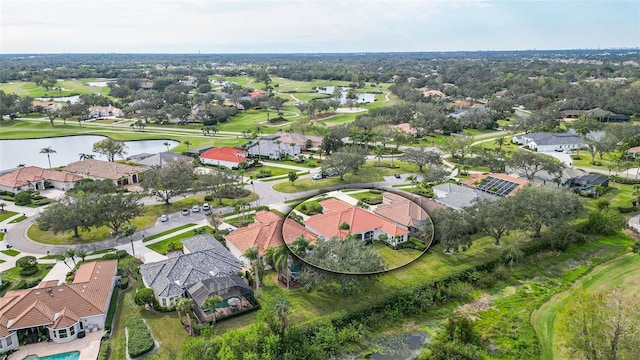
<point x="271" y="147"/>
<point x="234" y="291"/>
<point x="205" y="258"/>
<point x="458" y="197"/>
<point x="162" y="159"/>
<point x="545" y="142"/>
<point x="546" y="178"/>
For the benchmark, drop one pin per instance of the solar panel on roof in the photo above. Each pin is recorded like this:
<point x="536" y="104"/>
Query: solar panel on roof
<point x="498" y="186"/>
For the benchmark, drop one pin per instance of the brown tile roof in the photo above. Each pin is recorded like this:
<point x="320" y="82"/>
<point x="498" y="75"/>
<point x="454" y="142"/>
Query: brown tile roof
<point x="459" y="104"/>
<point x="26" y="175"/>
<point x="102" y="169"/>
<point x="85" y="297"/>
<point x="401" y="210"/>
<point x="406" y="127"/>
<point x="266" y="231"/>
<point x="359" y="220"/>
<point x="225" y="153"/>
<point x="299" y="139"/>
<point x="634" y="150"/>
<point x="50" y="283"/>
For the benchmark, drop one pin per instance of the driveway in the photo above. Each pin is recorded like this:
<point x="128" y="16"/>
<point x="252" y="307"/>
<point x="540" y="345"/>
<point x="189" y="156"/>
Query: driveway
<point x="565" y="158"/>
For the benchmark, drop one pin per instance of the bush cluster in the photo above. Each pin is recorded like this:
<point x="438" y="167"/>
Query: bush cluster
<point x="140" y="340"/>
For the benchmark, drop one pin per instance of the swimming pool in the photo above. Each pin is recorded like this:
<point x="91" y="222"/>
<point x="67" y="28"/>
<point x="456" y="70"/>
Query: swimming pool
<point x="73" y="355"/>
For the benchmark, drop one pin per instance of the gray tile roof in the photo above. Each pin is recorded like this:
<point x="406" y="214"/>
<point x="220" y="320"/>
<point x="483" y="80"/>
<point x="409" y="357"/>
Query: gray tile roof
<point x="458" y="197"/>
<point x="170" y="277"/>
<point x="203" y="242"/>
<point x="541" y="138"/>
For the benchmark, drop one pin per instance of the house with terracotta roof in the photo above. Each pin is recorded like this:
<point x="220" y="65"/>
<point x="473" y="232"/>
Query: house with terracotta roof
<point x="339" y="220"/>
<point x="407" y="128"/>
<point x="265" y="231"/>
<point x="62" y="312"/>
<point x="202" y="257"/>
<point x="37" y="178"/>
<point x="225" y="156"/>
<point x="433" y="93"/>
<point x="257" y="93"/>
<point x="47" y="105"/>
<point x="105" y="111"/>
<point x="306" y="142"/>
<point x="634" y="151"/>
<point x="120" y="174"/>
<point x="403" y="211"/>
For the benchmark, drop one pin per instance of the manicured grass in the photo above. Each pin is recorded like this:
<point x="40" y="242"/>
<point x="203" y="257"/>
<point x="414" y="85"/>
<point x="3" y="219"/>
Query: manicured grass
<point x="18" y="219"/>
<point x="474" y="132"/>
<point x="152" y="237"/>
<point x="164" y="326"/>
<point x="16" y="279"/>
<point x="79" y="86"/>
<point x="6" y="214"/>
<point x="367" y="174"/>
<point x="275" y="171"/>
<point x="622" y="272"/>
<point x="395" y="258"/>
<point x="163" y="247"/>
<point x="10" y="252"/>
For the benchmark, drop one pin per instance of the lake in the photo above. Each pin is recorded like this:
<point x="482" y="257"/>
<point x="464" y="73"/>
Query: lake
<point x="98" y="83"/>
<point x="363" y="98"/>
<point x="70" y="99"/>
<point x="68" y="150"/>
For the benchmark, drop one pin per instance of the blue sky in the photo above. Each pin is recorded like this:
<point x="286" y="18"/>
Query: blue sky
<point x="285" y="26"/>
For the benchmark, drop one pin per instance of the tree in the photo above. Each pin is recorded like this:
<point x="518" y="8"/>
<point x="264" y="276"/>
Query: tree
<point x="145" y="296"/>
<point x="187" y="143"/>
<point x="217" y="181"/>
<point x="274" y="313"/>
<point x="70" y="254"/>
<point x="210" y="303"/>
<point x="600" y="325"/>
<point x="2" y="205"/>
<point x="174" y="179"/>
<point x="70" y="213"/>
<point x="48" y="151"/>
<point x="293" y="176"/>
<point x="52" y="116"/>
<point x="128" y="231"/>
<point x="110" y="148"/>
<point x="342" y="162"/>
<point x="530" y="163"/>
<point x="27" y="263"/>
<point x="435" y="174"/>
<point x="331" y="143"/>
<point x="379" y="151"/>
<point x="452" y="229"/>
<point x="117" y="209"/>
<point x="538" y="206"/>
<point x="82" y="254"/>
<point x="254" y="257"/>
<point x="458" y="146"/>
<point x="494" y="218"/>
<point x="421" y="157"/>
<point x="300" y="246"/>
<point x="585" y="125"/>
<point x="348" y="256"/>
<point x="500" y="141"/>
<point x="512" y="250"/>
<point x="183" y="305"/>
<point x="84" y="156"/>
<point x="215" y="220"/>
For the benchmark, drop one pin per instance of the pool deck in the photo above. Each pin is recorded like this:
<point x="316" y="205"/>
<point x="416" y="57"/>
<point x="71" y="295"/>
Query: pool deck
<point x="89" y="346"/>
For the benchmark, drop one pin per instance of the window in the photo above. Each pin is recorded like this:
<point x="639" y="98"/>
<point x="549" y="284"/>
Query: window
<point x="164" y="302"/>
<point x="72" y="330"/>
<point x="62" y="333"/>
<point x="9" y="341"/>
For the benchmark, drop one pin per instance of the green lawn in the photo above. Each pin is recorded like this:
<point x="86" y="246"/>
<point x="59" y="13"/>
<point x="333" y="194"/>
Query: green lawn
<point x="163" y="246"/>
<point x="13" y="275"/>
<point x="275" y="171"/>
<point x="395" y="258"/>
<point x="18" y="219"/>
<point x="6" y="214"/>
<point x="368" y="174"/>
<point x="161" y="234"/>
<point x="69" y="87"/>
<point x="165" y="326"/>
<point x="10" y="252"/>
<point x="622" y="272"/>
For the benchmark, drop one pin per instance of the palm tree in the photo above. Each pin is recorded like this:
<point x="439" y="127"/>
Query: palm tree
<point x="500" y="141"/>
<point x="84" y="156"/>
<point x="2" y="205"/>
<point x="414" y="180"/>
<point x="300" y="245"/>
<point x="129" y="230"/>
<point x="240" y="205"/>
<point x="188" y="143"/>
<point x="82" y="254"/>
<point x="379" y="151"/>
<point x="48" y="150"/>
<point x="512" y="250"/>
<point x="210" y="303"/>
<point x="167" y="144"/>
<point x="182" y="306"/>
<point x="70" y="254"/>
<point x="281" y="260"/>
<point x="253" y="256"/>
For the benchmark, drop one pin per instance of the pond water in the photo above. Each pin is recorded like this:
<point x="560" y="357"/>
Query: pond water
<point x="71" y="99"/>
<point x="68" y="150"/>
<point x="97" y="83"/>
<point x="363" y="98"/>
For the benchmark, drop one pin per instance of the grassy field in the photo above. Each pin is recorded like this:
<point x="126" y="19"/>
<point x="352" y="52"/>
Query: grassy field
<point x="622" y="272"/>
<point x="69" y="87"/>
<point x="7" y="214"/>
<point x="162" y="247"/>
<point x="18" y="219"/>
<point x="395" y="258"/>
<point x="13" y="275"/>
<point x="161" y="234"/>
<point x="10" y="252"/>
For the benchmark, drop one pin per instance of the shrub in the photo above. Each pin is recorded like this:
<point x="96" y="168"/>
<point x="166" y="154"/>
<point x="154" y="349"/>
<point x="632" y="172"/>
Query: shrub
<point x="27" y="262"/>
<point x="29" y="271"/>
<point x="140" y="340"/>
<point x="626" y="210"/>
<point x="104" y="350"/>
<point x="605" y="222"/>
<point x="23" y="198"/>
<point x="124" y="283"/>
<point x="9" y="198"/>
<point x="208" y="198"/>
<point x="42" y="202"/>
<point x="626" y="181"/>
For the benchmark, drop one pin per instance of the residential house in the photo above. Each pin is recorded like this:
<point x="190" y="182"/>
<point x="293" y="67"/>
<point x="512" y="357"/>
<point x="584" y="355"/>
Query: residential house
<point x="120" y="174"/>
<point x="500" y="93"/>
<point x="634" y="152"/>
<point x="459" y="104"/>
<point x="145" y="84"/>
<point x="597" y="113"/>
<point x="496" y="184"/>
<point x="433" y="93"/>
<point x="199" y="150"/>
<point x="202" y="257"/>
<point x="60" y="313"/>
<point x="37" y="178"/>
<point x="105" y="111"/>
<point x="588" y="182"/>
<point x="225" y="156"/>
<point x="234" y="291"/>
<point x="264" y="232"/>
<point x="403" y="211"/>
<point x="546" y="142"/>
<point x="458" y="197"/>
<point x="162" y="159"/>
<point x="255" y="94"/>
<point x="406" y="128"/>
<point x="48" y="105"/>
<point x="363" y="224"/>
<point x="306" y="142"/>
<point x="229" y="102"/>
<point x="272" y="147"/>
<point x="546" y="178"/>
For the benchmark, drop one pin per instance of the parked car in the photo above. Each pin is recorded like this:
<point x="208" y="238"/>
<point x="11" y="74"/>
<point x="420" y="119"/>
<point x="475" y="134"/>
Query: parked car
<point x="397" y="176"/>
<point x="206" y="207"/>
<point x="230" y="229"/>
<point x="185" y="211"/>
<point x="195" y="208"/>
<point x="164" y="218"/>
<point x="316" y="176"/>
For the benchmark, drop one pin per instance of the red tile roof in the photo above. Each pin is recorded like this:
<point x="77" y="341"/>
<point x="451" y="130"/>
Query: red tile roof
<point x="266" y="231"/>
<point x="225" y="153"/>
<point x="401" y="210"/>
<point x="257" y="93"/>
<point x="359" y="220"/>
<point x="26" y="175"/>
<point x="634" y="150"/>
<point x="291" y="230"/>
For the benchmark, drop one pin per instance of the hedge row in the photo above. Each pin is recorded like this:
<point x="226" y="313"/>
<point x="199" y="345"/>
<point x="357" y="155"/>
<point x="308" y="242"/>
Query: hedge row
<point x="112" y="309"/>
<point x="624" y="180"/>
<point x="140" y="340"/>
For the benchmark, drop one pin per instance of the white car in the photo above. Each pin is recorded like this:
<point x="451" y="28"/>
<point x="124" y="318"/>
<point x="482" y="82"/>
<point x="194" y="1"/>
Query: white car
<point x="316" y="176"/>
<point x="206" y="207"/>
<point x="195" y="209"/>
<point x="164" y="218"/>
